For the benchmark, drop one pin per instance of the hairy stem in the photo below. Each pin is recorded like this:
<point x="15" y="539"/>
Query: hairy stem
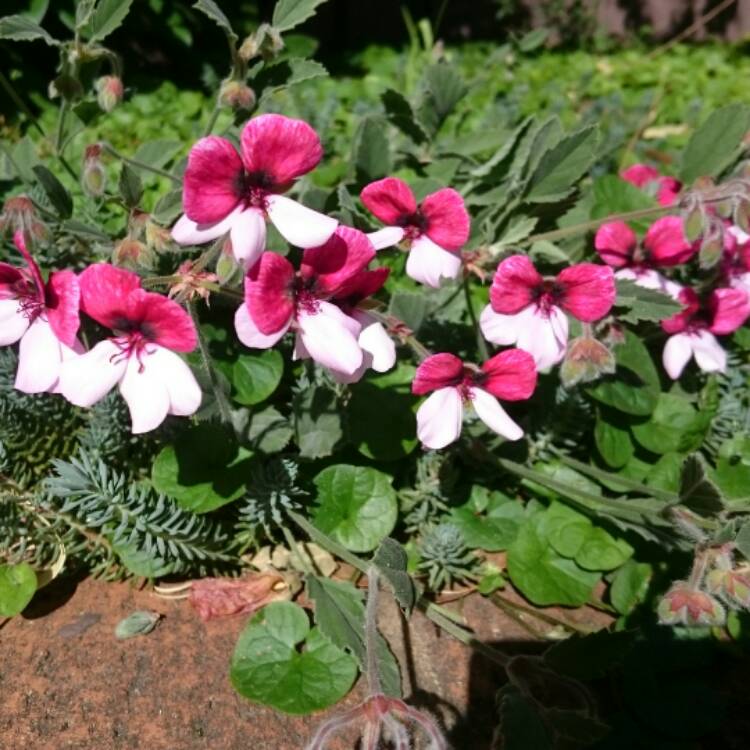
<point x="371" y="631"/>
<point x="141" y="165"/>
<point x="481" y="344"/>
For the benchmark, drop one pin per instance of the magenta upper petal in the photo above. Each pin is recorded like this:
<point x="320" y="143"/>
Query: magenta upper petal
<point x="615" y="242"/>
<point x="9" y="276"/>
<point x="437" y="371"/>
<point x="391" y="200"/>
<point x="680" y="321"/>
<point x="213" y="180"/>
<point x="730" y="308"/>
<point x="269" y="292"/>
<point x="666" y="242"/>
<point x="105" y="293"/>
<point x="164" y="322"/>
<point x="514" y="284"/>
<point x="280" y="149"/>
<point x="363" y="285"/>
<point x="62" y="303"/>
<point x="335" y="265"/>
<point x="510" y="375"/>
<point x="669" y="189"/>
<point x="588" y="290"/>
<point x="448" y="221"/>
<point x="639" y="174"/>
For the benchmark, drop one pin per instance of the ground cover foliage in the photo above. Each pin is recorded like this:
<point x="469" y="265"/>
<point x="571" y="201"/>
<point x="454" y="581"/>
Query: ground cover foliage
<point x="629" y="487"/>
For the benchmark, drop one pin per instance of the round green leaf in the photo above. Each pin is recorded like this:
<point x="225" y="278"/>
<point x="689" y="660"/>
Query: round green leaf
<point x="357" y="506"/>
<point x="280" y="662"/>
<point x="492" y="527"/>
<point x="630" y="585"/>
<point x="613" y="442"/>
<point x="257" y="376"/>
<point x="17" y="587"/>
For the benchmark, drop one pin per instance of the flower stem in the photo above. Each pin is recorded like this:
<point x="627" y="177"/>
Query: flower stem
<point x="371" y="631"/>
<point x="140" y="164"/>
<point x="481" y="344"/>
<point x="212" y="119"/>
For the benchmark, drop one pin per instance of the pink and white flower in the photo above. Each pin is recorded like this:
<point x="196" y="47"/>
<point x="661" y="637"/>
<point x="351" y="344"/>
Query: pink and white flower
<point x="694" y="329"/>
<point x="735" y="263"/>
<point x="278" y="299"/>
<point x="44" y="318"/>
<point x="228" y="192"/>
<point x="452" y="385"/>
<point x="530" y="311"/>
<point x="663" y="246"/>
<point x="436" y="229"/>
<point x="665" y="189"/>
<point x="140" y="357"/>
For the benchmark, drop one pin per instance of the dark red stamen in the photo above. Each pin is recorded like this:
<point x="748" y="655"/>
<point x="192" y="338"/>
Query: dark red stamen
<point x="132" y="343"/>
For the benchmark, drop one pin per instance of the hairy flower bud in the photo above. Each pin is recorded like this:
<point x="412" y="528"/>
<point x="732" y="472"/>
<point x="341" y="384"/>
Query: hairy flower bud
<point x="93" y="178"/>
<point x="109" y="92"/>
<point x="131" y="253"/>
<point x="733" y="586"/>
<point x="191" y="283"/>
<point x="158" y="238"/>
<point x="236" y="95"/>
<point x="20" y="215"/>
<point x="586" y="359"/>
<point x="685" y="605"/>
<point x="266" y="41"/>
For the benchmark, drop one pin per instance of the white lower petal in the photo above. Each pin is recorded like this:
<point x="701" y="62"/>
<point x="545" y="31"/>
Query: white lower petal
<point x="184" y="392"/>
<point x="544" y="336"/>
<point x="91" y="376"/>
<point x="248" y="235"/>
<point x="429" y="263"/>
<point x="13" y="323"/>
<point x="299" y="225"/>
<point x="488" y="409"/>
<point x="248" y="333"/>
<point x="677" y="353"/>
<point x="501" y="329"/>
<point x="39" y="359"/>
<point x="741" y="281"/>
<point x="375" y="341"/>
<point x="145" y="393"/>
<point x="386" y="237"/>
<point x="439" y="418"/>
<point x="330" y="337"/>
<point x="708" y="352"/>
<point x="67" y="352"/>
<point x="741" y="236"/>
<point x="187" y="232"/>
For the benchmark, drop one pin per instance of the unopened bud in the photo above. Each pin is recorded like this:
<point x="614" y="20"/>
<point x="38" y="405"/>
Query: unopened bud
<point x="272" y="43"/>
<point x="93" y="178"/>
<point x="266" y="41"/>
<point x="742" y="216"/>
<point x="724" y="208"/>
<point x="586" y="359"/>
<point x="684" y="605"/>
<point x="711" y="251"/>
<point x="131" y="253"/>
<point x="192" y="284"/>
<point x="236" y="95"/>
<point x="693" y="223"/>
<point x="158" y="238"/>
<point x="20" y="215"/>
<point x="137" y="223"/>
<point x="109" y="92"/>
<point x="732" y="586"/>
<point x="249" y="48"/>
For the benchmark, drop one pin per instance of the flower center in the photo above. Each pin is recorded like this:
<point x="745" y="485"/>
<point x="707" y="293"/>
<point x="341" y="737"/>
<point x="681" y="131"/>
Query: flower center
<point x="415" y="225"/>
<point x="30" y="305"/>
<point x="306" y="301"/>
<point x="133" y="343"/>
<point x="547" y="295"/>
<point x="253" y="188"/>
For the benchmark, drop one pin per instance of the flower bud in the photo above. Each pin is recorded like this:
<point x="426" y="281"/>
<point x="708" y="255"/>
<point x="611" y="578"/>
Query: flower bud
<point x="272" y="43"/>
<point x="742" y="215"/>
<point x="191" y="284"/>
<point x="733" y="586"/>
<point x="249" y="48"/>
<point x="94" y="178"/>
<point x="711" y="251"/>
<point x="684" y="605"/>
<point x="236" y="95"/>
<point x="693" y="223"/>
<point x="109" y="92"/>
<point x="131" y="253"/>
<point x="20" y="215"/>
<point x="158" y="238"/>
<point x="586" y="360"/>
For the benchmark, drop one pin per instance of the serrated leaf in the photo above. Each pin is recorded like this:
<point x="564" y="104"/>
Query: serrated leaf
<point x="157" y="153"/>
<point x="716" y="142"/>
<point x="391" y="561"/>
<point x="613" y="195"/>
<point x="58" y="196"/>
<point x="278" y="661"/>
<point x="635" y="303"/>
<point x="742" y="542"/>
<point x="697" y="491"/>
<point x="340" y="615"/>
<point x="562" y="166"/>
<point x="444" y="88"/>
<point x="130" y="186"/>
<point x="290" y="13"/>
<point x="216" y="14"/>
<point x="168" y="207"/>
<point x="286" y="73"/>
<point x="401" y="115"/>
<point x="107" y="16"/>
<point x="519" y="229"/>
<point x="503" y="151"/>
<point x="23" y="29"/>
<point x="372" y="151"/>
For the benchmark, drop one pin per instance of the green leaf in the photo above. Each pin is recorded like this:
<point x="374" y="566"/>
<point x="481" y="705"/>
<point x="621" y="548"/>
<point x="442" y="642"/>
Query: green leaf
<point x="317" y="422"/>
<point x="141" y="562"/>
<point x="562" y="166"/>
<point x="58" y="196"/>
<point x="168" y="207"/>
<point x="290" y="13"/>
<point x="490" y="523"/>
<point x="401" y="115"/>
<point x="256" y="376"/>
<point x="380" y="413"/>
<point x="613" y="442"/>
<point x="108" y="16"/>
<point x="23" y="29"/>
<point x="409" y="307"/>
<point x="519" y="229"/>
<point x="444" y="87"/>
<point x="697" y="491"/>
<point x="216" y="14"/>
<point x="521" y="726"/>
<point x="372" y="152"/>
<point x="17" y="587"/>
<point x="356" y="506"/>
<point x="503" y="151"/>
<point x="340" y="615"/>
<point x="634" y="388"/>
<point x="270" y="431"/>
<point x="279" y="662"/>
<point x="716" y="143"/>
<point x="392" y="562"/>
<point x="141" y="622"/>
<point x="285" y="73"/>
<point x="630" y="586"/>
<point x="674" y="427"/>
<point x="742" y="542"/>
<point x="157" y="153"/>
<point x="613" y="195"/>
<point x="634" y="303"/>
<point x="203" y="470"/>
<point x="130" y="186"/>
<point x="541" y="574"/>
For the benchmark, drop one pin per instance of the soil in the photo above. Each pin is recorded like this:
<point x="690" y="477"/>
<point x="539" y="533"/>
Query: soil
<point x="67" y="683"/>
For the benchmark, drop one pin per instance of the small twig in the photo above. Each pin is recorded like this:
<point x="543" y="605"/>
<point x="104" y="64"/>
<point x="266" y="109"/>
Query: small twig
<point x="481" y="344"/>
<point x="690" y="30"/>
<point x="141" y="165"/>
<point x="212" y="120"/>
